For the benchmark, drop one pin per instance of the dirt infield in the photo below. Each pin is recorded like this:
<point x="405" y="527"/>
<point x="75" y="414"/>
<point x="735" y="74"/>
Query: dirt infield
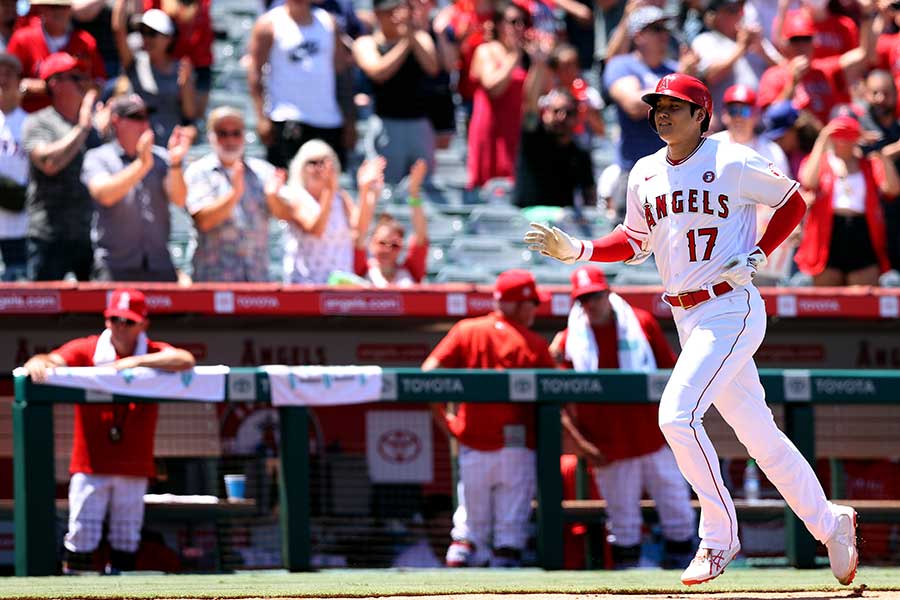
<point x="859" y="592"/>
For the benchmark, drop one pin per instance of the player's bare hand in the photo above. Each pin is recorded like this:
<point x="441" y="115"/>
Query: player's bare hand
<point x="129" y="362"/>
<point x="37" y="367"/>
<point x="557" y="348"/>
<point x="742" y="268"/>
<point x="592" y="454"/>
<point x="554" y="243"/>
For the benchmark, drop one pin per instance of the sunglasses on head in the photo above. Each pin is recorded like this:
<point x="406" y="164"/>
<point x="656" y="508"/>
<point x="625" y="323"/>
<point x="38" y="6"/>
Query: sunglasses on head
<point x="229" y="133"/>
<point x="122" y="321"/>
<point x="739" y="110"/>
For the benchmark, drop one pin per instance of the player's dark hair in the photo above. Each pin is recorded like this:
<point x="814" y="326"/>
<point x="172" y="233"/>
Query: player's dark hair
<point x="386" y="220"/>
<point x="559" y="50"/>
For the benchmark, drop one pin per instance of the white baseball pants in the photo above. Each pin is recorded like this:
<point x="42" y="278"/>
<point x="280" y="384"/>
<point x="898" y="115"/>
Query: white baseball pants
<point x="498" y="488"/>
<point x="90" y="496"/>
<point x="622" y="483"/>
<point x="718" y="340"/>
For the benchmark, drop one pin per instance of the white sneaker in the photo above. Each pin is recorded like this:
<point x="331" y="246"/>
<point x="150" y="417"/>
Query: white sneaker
<point x="708" y="564"/>
<point x="842" y="553"/>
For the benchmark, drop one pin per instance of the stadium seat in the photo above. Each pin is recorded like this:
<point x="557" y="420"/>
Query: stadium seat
<point x="491" y="253"/>
<point x="498" y="220"/>
<point x="464" y="274"/>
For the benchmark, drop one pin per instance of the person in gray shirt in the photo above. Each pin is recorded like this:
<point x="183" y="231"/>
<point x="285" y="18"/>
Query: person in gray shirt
<point x="59" y="206"/>
<point x="132" y="183"/>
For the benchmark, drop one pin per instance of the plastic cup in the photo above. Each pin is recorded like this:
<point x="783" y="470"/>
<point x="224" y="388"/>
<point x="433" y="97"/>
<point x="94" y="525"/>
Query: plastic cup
<point x="235" y="486"/>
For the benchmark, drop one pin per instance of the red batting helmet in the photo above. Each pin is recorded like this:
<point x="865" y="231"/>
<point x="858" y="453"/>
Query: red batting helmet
<point x="684" y="87"/>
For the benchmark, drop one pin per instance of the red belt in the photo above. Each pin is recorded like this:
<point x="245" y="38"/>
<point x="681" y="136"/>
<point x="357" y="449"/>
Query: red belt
<point x="692" y="299"/>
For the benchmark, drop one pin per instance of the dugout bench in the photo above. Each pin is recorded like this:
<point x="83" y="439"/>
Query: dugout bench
<point x="795" y="391"/>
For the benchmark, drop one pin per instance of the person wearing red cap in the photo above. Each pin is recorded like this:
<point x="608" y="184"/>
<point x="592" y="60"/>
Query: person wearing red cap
<point x="622" y="442"/>
<point x="52" y="33"/>
<point x="496" y="441"/>
<point x="693" y="205"/>
<point x="814" y="84"/>
<point x="844" y="238"/>
<point x="741" y="117"/>
<point x="112" y="445"/>
<point x="58" y="203"/>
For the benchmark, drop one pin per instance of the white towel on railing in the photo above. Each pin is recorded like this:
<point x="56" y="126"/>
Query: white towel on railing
<point x="200" y="383"/>
<point x="323" y="386"/>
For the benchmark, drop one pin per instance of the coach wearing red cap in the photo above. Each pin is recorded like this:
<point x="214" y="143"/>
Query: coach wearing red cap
<point x="622" y="442"/>
<point x="58" y="204"/>
<point x="496" y="441"/>
<point x="112" y="446"/>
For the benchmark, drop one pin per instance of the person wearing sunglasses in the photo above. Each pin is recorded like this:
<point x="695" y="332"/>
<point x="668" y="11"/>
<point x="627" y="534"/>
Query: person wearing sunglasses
<point x="627" y="77"/>
<point x="132" y="182"/>
<point x="58" y="204"/>
<point x="499" y="68"/>
<point x="112" y="445"/>
<point x="52" y="32"/>
<point x="741" y="118"/>
<point x="398" y="58"/>
<point x="231" y="198"/>
<point x="164" y="83"/>
<point x="381" y="265"/>
<point x="326" y="222"/>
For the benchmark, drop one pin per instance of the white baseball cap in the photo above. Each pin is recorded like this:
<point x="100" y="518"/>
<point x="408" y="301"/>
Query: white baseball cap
<point x="159" y="21"/>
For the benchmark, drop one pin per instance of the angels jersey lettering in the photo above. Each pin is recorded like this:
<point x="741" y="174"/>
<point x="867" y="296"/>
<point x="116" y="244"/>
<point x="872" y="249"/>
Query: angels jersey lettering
<point x="696" y="214"/>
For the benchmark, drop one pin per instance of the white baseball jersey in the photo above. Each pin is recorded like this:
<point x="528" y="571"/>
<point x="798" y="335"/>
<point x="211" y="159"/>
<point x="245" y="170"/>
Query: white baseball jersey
<point x="697" y="213"/>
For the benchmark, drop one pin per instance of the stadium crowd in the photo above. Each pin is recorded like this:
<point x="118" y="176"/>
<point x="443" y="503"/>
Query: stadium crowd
<point x="105" y="106"/>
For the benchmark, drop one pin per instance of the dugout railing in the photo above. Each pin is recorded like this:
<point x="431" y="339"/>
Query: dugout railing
<point x="797" y="390"/>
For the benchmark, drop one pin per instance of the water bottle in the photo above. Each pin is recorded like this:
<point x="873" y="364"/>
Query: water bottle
<point x="751" y="481"/>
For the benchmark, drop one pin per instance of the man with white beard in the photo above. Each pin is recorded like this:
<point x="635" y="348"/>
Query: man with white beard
<point x="231" y="198"/>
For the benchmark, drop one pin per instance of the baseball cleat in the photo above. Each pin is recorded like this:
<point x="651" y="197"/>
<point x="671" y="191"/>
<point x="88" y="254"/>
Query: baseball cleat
<point x="708" y="564"/>
<point x="459" y="553"/>
<point x="842" y="552"/>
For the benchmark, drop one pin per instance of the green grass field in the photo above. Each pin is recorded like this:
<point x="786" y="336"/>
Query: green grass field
<point x="361" y="583"/>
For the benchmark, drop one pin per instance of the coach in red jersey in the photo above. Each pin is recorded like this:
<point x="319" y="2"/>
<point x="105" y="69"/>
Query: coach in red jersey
<point x="622" y="442"/>
<point x="112" y="447"/>
<point x="497" y="441"/>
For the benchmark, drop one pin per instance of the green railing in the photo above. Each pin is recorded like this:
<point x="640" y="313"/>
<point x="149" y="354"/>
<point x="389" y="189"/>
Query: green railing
<point x="798" y="390"/>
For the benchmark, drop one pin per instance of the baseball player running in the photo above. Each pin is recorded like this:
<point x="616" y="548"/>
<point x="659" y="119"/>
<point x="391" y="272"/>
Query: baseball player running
<point x="692" y="204"/>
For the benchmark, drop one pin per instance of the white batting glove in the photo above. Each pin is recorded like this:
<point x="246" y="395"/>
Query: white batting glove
<point x="742" y="268"/>
<point x="554" y="243"/>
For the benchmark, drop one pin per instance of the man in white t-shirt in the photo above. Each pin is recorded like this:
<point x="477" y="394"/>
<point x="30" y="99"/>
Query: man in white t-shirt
<point x="13" y="170"/>
<point x="297" y="100"/>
